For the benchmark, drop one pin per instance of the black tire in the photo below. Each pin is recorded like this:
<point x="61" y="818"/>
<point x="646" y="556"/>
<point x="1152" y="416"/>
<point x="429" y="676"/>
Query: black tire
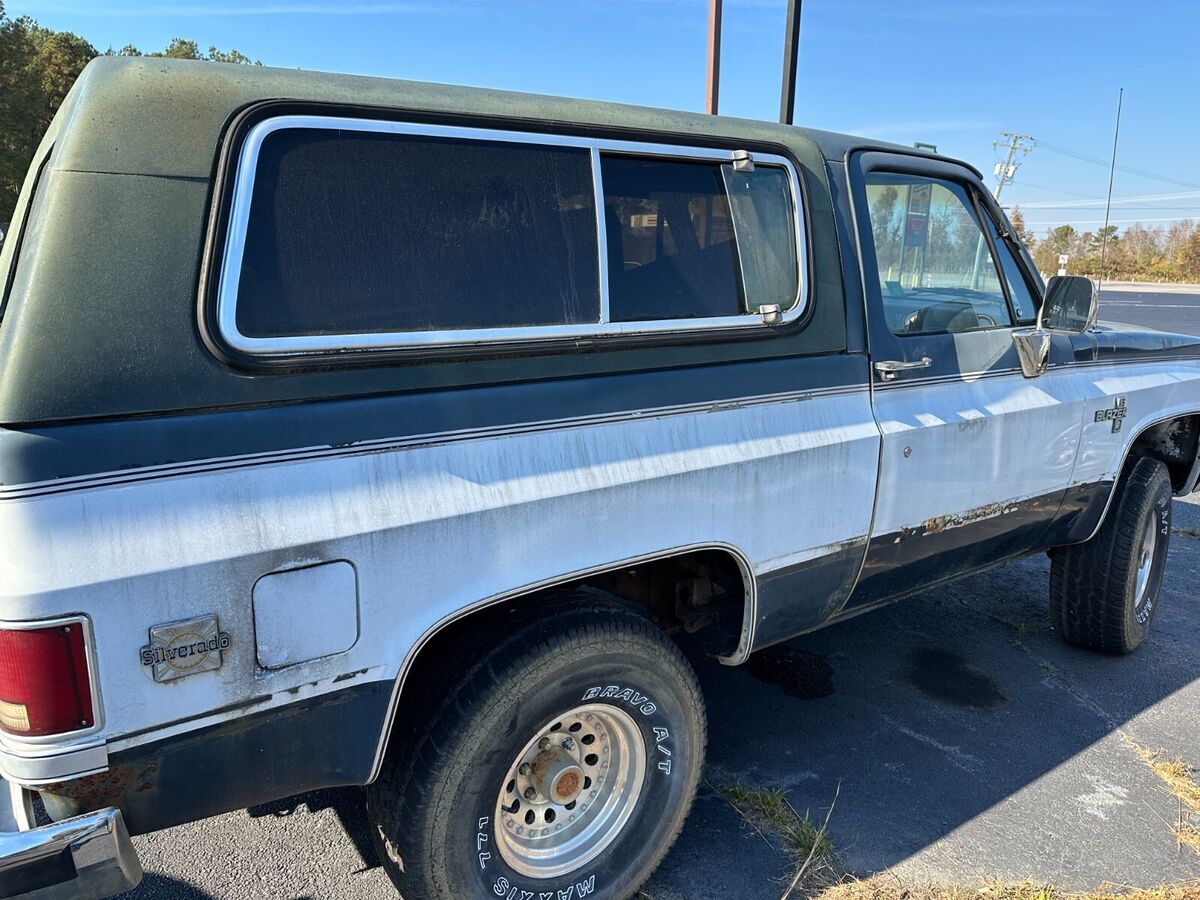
<point x="434" y="807"/>
<point x="1094" y="601"/>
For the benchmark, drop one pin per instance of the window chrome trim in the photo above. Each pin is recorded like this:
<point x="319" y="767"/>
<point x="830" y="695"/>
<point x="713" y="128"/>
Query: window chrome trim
<point x="243" y="189"/>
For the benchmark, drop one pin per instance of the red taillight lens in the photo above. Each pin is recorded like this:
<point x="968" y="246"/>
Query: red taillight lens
<point x="44" y="684"/>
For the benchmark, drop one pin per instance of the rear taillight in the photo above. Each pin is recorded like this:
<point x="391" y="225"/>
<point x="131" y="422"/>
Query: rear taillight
<point x="45" y="687"/>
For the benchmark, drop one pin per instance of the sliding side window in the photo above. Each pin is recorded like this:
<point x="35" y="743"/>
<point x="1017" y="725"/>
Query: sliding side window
<point x="691" y="240"/>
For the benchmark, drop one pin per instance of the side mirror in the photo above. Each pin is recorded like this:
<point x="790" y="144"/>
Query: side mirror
<point x="1070" y="305"/>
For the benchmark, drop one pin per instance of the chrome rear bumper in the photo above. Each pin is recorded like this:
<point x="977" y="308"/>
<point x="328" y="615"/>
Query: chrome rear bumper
<point x="86" y="858"/>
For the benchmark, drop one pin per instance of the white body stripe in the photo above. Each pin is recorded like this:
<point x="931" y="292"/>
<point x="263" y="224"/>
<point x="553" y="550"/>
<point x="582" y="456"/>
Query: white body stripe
<point x="431" y="530"/>
<point x="1152" y="391"/>
<point x="993" y="440"/>
<point x="973" y="443"/>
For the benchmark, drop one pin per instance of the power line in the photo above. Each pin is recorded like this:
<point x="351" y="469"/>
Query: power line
<point x="1050" y="226"/>
<point x="1122" y="209"/>
<point x="1095" y="160"/>
<point x="1057" y="190"/>
<point x="1093" y="201"/>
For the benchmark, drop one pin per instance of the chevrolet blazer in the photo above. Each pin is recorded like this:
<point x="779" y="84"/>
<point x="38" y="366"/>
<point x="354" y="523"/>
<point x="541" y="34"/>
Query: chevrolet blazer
<point x="364" y="432"/>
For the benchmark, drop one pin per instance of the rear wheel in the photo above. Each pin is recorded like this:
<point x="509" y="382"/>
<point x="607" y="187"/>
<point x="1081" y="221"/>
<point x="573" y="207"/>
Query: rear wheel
<point x="563" y="763"/>
<point x="1104" y="593"/>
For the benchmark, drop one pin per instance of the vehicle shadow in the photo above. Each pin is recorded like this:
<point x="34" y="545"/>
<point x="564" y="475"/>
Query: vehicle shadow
<point x="349" y="806"/>
<point x="961" y="738"/>
<point x="163" y="887"/>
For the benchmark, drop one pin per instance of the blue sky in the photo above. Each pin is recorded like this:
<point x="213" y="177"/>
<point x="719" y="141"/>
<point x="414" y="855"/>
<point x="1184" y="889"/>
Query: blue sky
<point x="950" y="73"/>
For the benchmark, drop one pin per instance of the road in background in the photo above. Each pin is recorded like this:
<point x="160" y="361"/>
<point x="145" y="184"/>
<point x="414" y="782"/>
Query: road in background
<point x="1164" y="307"/>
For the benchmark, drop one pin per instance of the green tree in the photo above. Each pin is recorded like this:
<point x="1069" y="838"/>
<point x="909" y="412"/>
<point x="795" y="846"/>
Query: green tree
<point x="1059" y="240"/>
<point x="181" y="48"/>
<point x="37" y="67"/>
<point x="1187" y="257"/>
<point x="1017" y="218"/>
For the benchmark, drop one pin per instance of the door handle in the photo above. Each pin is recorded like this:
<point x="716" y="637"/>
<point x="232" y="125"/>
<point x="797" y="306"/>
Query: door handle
<point x="888" y="368"/>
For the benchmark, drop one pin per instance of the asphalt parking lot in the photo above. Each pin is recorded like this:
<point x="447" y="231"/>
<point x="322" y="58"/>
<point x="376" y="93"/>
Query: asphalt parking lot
<point x="1166" y="307"/>
<point x="961" y="737"/>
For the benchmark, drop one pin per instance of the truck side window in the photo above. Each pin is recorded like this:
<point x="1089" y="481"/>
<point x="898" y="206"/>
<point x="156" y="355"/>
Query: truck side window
<point x="370" y="235"/>
<point x="693" y="240"/>
<point x="936" y="270"/>
<point x="358" y="232"/>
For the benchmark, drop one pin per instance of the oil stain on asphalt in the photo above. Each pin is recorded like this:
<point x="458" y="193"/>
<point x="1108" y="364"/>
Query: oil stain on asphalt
<point x="799" y="673"/>
<point x="946" y="676"/>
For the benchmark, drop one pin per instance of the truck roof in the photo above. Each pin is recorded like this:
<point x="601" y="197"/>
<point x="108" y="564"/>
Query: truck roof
<point x="177" y="108"/>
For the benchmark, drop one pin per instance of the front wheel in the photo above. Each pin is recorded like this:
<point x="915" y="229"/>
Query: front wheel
<point x="562" y="764"/>
<point x="1104" y="593"/>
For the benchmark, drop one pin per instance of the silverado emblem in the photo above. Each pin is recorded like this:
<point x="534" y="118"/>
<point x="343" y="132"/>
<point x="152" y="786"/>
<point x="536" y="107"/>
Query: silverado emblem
<point x="184" y="648"/>
<point x="1116" y="415"/>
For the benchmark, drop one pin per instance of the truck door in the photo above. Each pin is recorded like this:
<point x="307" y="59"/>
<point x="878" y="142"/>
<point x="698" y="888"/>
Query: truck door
<point x="976" y="458"/>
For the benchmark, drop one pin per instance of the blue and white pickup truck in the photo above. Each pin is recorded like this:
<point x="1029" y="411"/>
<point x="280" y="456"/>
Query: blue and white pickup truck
<point x="360" y="432"/>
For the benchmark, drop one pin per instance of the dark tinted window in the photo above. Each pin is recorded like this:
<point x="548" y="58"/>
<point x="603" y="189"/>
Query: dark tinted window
<point x="671" y="248"/>
<point x="353" y="232"/>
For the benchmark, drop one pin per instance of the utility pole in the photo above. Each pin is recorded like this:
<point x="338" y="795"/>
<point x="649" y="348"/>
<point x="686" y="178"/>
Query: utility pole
<point x="1015" y="144"/>
<point x="714" y="56"/>
<point x="1004" y="174"/>
<point x="791" y="55"/>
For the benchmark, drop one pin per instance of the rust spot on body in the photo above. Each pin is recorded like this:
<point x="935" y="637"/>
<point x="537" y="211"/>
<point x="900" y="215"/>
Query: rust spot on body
<point x="939" y="524"/>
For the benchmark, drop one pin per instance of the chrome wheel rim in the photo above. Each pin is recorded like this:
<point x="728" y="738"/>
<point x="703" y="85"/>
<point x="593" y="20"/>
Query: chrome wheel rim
<point x="1145" y="561"/>
<point x="570" y="791"/>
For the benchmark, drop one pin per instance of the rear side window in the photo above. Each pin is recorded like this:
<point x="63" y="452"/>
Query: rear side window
<point x="352" y="234"/>
<point x="693" y="240"/>
<point x="368" y="233"/>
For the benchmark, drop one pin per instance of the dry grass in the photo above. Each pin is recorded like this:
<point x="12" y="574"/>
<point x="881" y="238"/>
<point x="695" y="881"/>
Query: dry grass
<point x="769" y="812"/>
<point x="1187" y="834"/>
<point x="888" y="887"/>
<point x="1180" y="779"/>
<point x="816" y="876"/>
<point x="1176" y="774"/>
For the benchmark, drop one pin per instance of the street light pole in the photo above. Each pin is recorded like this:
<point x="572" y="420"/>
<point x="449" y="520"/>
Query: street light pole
<point x="714" y="56"/>
<point x="791" y="50"/>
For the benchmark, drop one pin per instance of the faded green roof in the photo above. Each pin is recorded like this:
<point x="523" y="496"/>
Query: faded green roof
<point x="123" y="116"/>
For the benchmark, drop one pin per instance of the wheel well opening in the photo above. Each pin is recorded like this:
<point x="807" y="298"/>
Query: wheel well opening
<point x="1173" y="442"/>
<point x="688" y="592"/>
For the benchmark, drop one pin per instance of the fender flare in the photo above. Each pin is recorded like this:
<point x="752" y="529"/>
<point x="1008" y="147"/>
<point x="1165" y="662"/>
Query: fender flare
<point x="1189" y="484"/>
<point x="738" y="656"/>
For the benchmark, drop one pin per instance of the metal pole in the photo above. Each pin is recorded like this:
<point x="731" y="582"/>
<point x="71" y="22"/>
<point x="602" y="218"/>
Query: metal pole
<point x="791" y="48"/>
<point x="714" y="56"/>
<point x="1111" y="172"/>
